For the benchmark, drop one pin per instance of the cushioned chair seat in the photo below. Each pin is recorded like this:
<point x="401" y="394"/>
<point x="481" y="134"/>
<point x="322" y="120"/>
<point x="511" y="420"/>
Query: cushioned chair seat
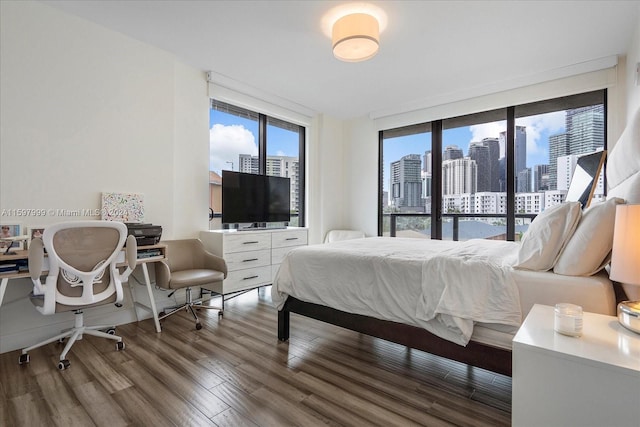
<point x="197" y="277"/>
<point x="189" y="265"/>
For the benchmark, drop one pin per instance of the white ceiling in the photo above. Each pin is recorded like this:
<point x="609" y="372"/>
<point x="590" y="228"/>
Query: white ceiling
<point x="432" y="52"/>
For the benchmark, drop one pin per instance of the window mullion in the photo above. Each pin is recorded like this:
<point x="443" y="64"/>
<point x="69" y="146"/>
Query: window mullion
<point x="436" y="179"/>
<point x="262" y="144"/>
<point x="510" y="174"/>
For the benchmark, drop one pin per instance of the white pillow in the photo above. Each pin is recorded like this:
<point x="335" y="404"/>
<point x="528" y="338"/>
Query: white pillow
<point x="547" y="235"/>
<point x="587" y="251"/>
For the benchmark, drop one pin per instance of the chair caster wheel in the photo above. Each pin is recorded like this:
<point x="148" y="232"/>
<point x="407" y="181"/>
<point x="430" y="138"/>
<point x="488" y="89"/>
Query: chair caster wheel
<point x="60" y="340"/>
<point x="63" y="364"/>
<point x="23" y="359"/>
<point x="220" y="314"/>
<point x="120" y="345"/>
<point x="161" y="314"/>
<point x="111" y="331"/>
<point x="198" y="326"/>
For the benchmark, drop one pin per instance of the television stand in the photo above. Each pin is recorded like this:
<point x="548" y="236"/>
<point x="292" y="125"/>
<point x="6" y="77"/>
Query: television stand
<point x="261" y="226"/>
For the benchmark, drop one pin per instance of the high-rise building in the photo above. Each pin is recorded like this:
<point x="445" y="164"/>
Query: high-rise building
<point x="566" y="166"/>
<point x="452" y="152"/>
<point x="558" y="147"/>
<point x="524" y="181"/>
<point x="494" y="162"/>
<point x="479" y="152"/>
<point x="426" y="162"/>
<point x="540" y="178"/>
<point x="585" y="129"/>
<point x="521" y="149"/>
<point x="520" y="153"/>
<point x="248" y="163"/>
<point x="406" y="184"/>
<point x="459" y="176"/>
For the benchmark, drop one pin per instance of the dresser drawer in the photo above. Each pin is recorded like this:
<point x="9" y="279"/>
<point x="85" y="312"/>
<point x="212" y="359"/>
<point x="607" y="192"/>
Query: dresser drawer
<point x="248" y="259"/>
<point x="247" y="279"/>
<point x="289" y="238"/>
<point x="239" y="242"/>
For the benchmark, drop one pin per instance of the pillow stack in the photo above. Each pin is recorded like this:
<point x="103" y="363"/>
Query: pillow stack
<point x="589" y="249"/>
<point x="568" y="240"/>
<point x="547" y="235"/>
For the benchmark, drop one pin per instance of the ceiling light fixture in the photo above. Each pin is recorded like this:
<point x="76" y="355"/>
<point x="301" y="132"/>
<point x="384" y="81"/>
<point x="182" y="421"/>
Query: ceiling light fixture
<point x="355" y="37"/>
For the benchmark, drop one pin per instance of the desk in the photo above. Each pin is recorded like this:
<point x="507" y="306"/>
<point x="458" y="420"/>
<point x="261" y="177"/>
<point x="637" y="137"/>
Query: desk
<point x="142" y="262"/>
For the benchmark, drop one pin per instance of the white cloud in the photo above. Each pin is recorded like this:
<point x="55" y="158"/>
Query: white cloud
<point x="547" y="124"/>
<point x="226" y="143"/>
<point x="487" y="130"/>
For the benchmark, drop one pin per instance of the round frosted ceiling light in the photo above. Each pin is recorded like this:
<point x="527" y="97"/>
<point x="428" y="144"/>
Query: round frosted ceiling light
<point x="355" y="37"/>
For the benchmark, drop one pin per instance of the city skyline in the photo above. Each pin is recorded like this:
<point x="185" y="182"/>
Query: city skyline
<point x="469" y="178"/>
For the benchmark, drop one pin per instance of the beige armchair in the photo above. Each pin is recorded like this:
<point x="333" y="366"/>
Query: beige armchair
<point x="188" y="264"/>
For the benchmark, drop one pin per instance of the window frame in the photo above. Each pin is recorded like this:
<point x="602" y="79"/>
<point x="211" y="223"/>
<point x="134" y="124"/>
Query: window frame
<point x="511" y="112"/>
<point x="263" y="122"/>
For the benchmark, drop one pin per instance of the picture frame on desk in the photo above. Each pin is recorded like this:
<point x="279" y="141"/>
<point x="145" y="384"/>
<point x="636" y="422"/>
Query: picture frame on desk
<point x="33" y="232"/>
<point x="10" y="230"/>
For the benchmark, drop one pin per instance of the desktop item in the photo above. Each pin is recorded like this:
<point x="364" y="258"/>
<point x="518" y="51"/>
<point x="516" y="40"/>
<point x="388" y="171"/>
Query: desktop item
<point x="145" y="234"/>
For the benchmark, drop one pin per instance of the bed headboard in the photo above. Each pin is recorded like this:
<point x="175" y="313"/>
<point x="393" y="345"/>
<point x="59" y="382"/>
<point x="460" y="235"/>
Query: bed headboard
<point x="623" y="164"/>
<point x="623" y="174"/>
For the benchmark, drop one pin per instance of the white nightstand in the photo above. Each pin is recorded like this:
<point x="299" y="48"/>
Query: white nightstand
<point x="593" y="380"/>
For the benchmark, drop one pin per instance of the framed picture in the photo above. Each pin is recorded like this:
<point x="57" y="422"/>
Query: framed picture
<point x="585" y="178"/>
<point x="125" y="207"/>
<point x="34" y="232"/>
<point x="10" y="231"/>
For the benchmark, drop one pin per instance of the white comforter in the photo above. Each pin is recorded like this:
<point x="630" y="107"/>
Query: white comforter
<point x="441" y="286"/>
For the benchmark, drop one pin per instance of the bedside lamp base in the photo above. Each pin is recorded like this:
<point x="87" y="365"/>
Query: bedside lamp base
<point x="629" y="315"/>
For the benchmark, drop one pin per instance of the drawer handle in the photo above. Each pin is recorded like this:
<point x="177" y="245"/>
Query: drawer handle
<point x="250" y="243"/>
<point x="291" y="238"/>
<point x="250" y="277"/>
<point x="249" y="260"/>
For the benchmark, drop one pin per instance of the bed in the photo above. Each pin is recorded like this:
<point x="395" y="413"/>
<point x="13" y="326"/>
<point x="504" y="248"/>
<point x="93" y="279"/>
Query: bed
<point x="463" y="300"/>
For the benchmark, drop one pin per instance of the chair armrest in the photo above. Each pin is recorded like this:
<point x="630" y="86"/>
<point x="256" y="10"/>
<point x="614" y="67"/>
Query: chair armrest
<point x="36" y="260"/>
<point x="214" y="262"/>
<point x="131" y="255"/>
<point x="163" y="274"/>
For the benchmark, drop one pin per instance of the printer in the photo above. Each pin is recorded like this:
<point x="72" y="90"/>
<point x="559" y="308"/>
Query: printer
<point x="145" y="234"/>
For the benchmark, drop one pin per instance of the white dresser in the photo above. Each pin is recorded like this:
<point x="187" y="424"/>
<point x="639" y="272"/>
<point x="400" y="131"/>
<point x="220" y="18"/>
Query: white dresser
<point x="253" y="256"/>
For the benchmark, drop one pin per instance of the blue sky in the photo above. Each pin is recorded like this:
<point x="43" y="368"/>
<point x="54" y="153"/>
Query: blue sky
<point x="234" y="135"/>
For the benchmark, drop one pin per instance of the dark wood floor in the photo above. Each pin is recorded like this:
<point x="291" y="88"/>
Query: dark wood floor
<point x="234" y="372"/>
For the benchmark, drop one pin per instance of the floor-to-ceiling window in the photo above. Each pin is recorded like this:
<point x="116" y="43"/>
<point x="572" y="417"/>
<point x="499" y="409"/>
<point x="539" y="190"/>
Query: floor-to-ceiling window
<point x="494" y="170"/>
<point x="246" y="141"/>
<point x="405" y="165"/>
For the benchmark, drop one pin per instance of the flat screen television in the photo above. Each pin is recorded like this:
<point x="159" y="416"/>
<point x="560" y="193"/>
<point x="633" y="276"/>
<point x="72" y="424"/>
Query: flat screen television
<point x="255" y="199"/>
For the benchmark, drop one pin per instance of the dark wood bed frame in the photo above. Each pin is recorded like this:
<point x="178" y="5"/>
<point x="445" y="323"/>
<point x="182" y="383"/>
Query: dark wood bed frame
<point x="483" y="356"/>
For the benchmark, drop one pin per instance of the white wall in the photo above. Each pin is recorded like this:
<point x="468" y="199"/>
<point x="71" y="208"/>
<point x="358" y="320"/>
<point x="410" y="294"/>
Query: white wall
<point x="86" y="110"/>
<point x="633" y="84"/>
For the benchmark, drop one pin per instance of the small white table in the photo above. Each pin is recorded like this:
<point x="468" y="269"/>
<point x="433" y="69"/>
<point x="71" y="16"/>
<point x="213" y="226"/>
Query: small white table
<point x="592" y="380"/>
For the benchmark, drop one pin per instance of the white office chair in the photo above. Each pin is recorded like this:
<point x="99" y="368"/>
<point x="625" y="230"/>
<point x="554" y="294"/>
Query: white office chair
<point x="82" y="272"/>
<point x="336" y="235"/>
